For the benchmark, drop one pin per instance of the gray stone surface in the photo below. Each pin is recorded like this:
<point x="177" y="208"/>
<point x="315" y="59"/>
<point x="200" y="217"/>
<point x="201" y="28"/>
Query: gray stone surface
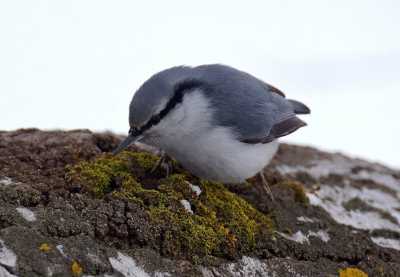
<point x="50" y="229"/>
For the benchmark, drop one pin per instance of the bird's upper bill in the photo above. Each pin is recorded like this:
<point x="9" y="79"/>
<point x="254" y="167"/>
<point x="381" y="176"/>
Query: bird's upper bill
<point x="131" y="138"/>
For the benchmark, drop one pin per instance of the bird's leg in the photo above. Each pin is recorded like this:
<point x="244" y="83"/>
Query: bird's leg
<point x="159" y="161"/>
<point x="266" y="186"/>
<point x="167" y="165"/>
<point x="164" y="162"/>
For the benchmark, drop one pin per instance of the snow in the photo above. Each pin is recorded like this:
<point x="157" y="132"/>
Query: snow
<point x="387" y="243"/>
<point x="7" y="256"/>
<point x="26" y="213"/>
<point x="333" y="198"/>
<point x="342" y="166"/>
<point x="321" y="234"/>
<point x="105" y="275"/>
<point x="300" y="237"/>
<point x="128" y="267"/>
<point x="297" y="237"/>
<point x="380" y="178"/>
<point x="6" y="181"/>
<point x="305" y="219"/>
<point x="249" y="267"/>
<point x="49" y="272"/>
<point x="161" y="274"/>
<point x="194" y="188"/>
<point x="186" y="205"/>
<point x="320" y="168"/>
<point x="60" y="249"/>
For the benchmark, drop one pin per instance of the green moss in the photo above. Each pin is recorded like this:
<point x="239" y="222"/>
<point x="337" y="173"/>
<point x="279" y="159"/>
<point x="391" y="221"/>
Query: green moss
<point x="222" y="225"/>
<point x="99" y="176"/>
<point x="145" y="160"/>
<point x="298" y="189"/>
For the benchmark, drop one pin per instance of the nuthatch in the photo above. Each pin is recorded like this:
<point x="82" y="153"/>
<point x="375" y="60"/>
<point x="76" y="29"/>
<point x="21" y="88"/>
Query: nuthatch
<point x="220" y="123"/>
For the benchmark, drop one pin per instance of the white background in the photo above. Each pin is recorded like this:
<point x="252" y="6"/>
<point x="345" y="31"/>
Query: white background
<point x="76" y="64"/>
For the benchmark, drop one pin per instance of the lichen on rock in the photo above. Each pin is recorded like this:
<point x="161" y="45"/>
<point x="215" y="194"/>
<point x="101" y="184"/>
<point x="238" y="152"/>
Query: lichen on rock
<point x="76" y="269"/>
<point x="45" y="247"/>
<point x="352" y="272"/>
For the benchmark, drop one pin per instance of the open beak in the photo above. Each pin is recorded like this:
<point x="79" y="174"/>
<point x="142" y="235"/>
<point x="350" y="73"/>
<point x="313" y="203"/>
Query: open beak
<point x="131" y="138"/>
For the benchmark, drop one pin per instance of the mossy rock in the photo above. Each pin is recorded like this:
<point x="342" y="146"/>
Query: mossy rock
<point x="222" y="223"/>
<point x="300" y="195"/>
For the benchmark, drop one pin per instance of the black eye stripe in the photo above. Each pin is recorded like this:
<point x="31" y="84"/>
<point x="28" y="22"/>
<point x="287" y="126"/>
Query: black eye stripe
<point x="179" y="91"/>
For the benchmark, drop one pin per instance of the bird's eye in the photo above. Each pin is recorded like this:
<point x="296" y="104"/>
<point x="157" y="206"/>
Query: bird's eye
<point x="133" y="130"/>
<point x="156" y="118"/>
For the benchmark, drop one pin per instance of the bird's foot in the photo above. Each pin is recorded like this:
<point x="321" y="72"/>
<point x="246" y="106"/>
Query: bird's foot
<point x="164" y="162"/>
<point x="266" y="187"/>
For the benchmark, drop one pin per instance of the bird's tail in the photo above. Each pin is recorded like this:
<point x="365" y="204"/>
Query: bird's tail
<point x="299" y="108"/>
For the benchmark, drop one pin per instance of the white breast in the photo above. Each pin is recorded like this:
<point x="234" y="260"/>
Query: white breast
<point x="208" y="151"/>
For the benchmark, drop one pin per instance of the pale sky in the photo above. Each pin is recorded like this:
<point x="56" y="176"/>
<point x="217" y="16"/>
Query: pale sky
<point x="76" y="64"/>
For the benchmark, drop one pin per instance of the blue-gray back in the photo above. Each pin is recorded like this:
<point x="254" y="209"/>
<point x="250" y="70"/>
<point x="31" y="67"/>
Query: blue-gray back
<point x="248" y="105"/>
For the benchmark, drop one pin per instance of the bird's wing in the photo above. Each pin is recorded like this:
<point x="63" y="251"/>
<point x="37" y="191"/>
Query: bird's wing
<point x="273" y="89"/>
<point x="257" y="117"/>
<point x="298" y="107"/>
<point x="254" y="110"/>
<point x="278" y="130"/>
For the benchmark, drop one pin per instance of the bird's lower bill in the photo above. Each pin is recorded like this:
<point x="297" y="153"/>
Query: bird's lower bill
<point x="125" y="143"/>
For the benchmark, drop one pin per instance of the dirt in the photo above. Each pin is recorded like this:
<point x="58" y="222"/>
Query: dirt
<point x="92" y="230"/>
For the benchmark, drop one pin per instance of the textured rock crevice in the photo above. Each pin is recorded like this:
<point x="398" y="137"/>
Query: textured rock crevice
<point x="331" y="213"/>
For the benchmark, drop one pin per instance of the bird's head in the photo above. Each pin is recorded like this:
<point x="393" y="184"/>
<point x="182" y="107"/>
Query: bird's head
<point x="153" y="101"/>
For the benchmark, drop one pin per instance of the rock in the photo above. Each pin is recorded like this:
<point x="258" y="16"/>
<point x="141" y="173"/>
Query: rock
<point x="69" y="209"/>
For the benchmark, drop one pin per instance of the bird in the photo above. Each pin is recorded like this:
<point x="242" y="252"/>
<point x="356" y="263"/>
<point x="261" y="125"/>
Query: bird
<point x="220" y="123"/>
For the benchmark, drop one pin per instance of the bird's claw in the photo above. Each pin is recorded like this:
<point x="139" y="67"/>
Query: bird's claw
<point x="266" y="187"/>
<point x="164" y="162"/>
